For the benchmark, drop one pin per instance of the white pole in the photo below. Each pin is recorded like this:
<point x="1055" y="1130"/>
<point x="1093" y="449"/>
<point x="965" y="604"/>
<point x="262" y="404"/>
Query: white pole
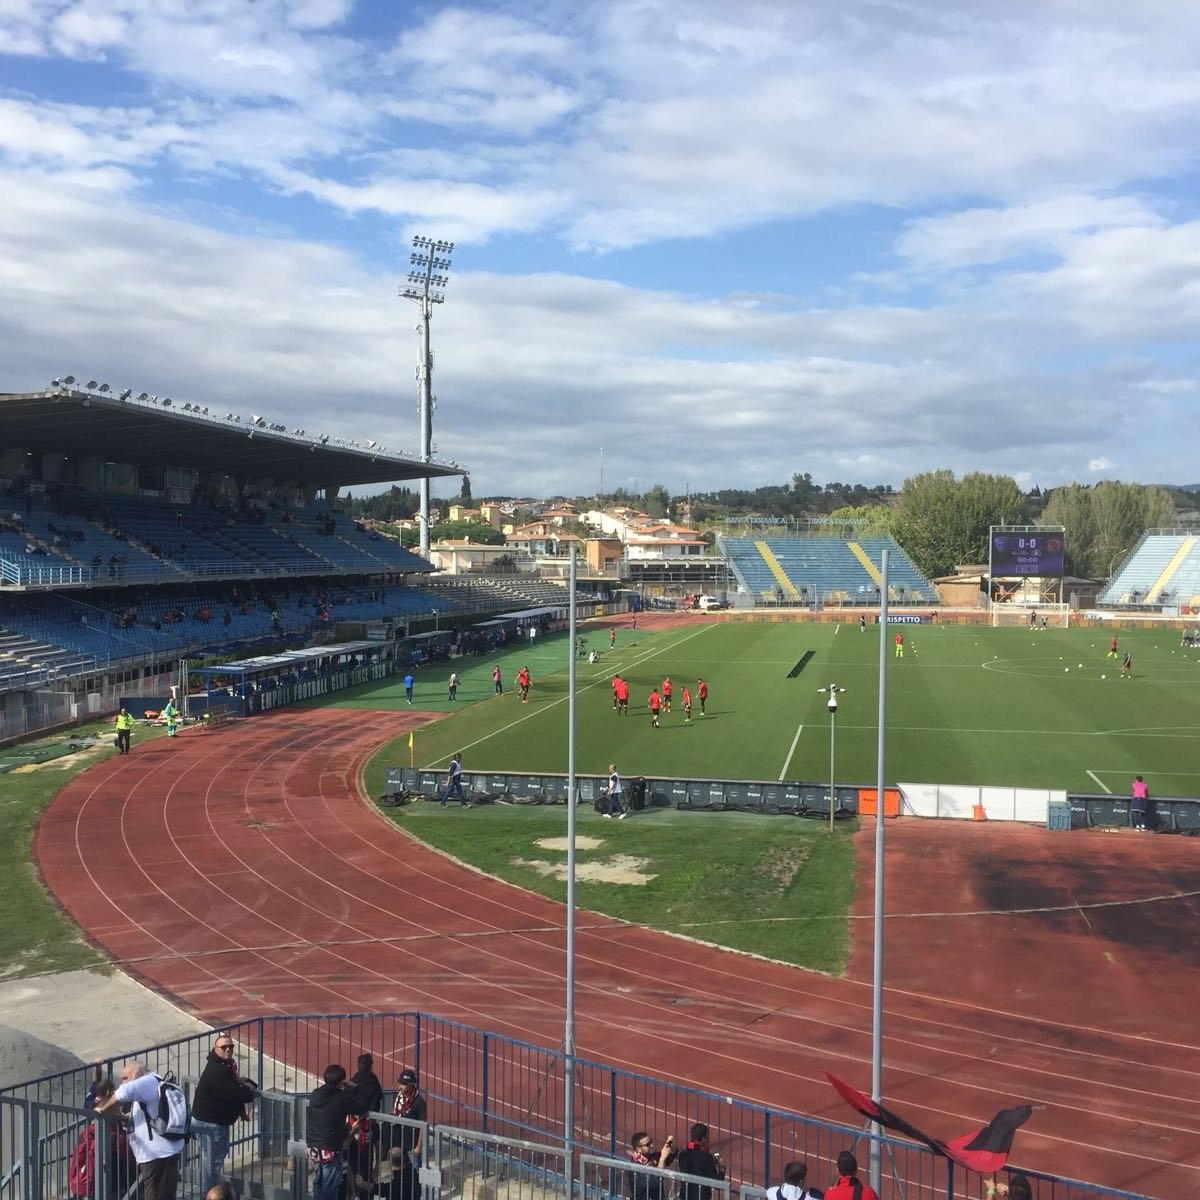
<point x="876" y="1168"/>
<point x="569" y="1022"/>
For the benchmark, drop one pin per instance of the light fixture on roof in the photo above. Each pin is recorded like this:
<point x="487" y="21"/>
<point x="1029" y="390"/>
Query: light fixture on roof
<point x="69" y="380"/>
<point x="257" y="420"/>
<point x="154" y="398"/>
<point x="187" y="407"/>
<point x="91" y="385"/>
<point x="324" y="439"/>
<point x="56" y="383"/>
<point x="104" y="387"/>
<point x="125" y="394"/>
<point x="167" y="402"/>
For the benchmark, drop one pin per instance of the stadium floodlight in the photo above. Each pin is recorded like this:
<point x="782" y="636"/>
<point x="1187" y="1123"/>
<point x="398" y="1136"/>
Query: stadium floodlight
<point x="166" y="402"/>
<point x="372" y="444"/>
<point x="426" y="287"/>
<point x="832" y="691"/>
<point x="69" y="380"/>
<point x="125" y="394"/>
<point x="91" y="385"/>
<point x="104" y="387"/>
<point x="324" y="439"/>
<point x="143" y="397"/>
<point x="257" y="420"/>
<point x="56" y="383"/>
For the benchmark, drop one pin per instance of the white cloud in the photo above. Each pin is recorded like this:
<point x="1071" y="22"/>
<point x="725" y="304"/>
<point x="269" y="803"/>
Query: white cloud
<point x="1000" y="274"/>
<point x="1100" y="464"/>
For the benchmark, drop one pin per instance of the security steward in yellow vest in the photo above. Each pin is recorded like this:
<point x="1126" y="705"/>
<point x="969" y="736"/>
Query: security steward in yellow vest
<point x="124" y="728"/>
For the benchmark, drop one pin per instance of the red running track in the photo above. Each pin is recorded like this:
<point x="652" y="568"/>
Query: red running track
<point x="242" y="872"/>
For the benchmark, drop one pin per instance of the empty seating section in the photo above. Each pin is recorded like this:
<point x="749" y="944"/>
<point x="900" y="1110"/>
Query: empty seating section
<point x="825" y="569"/>
<point x="1162" y="569"/>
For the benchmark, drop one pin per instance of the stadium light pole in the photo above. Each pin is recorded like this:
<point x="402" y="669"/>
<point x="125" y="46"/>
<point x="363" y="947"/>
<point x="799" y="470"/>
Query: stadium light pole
<point x="832" y="691"/>
<point x="569" y="1006"/>
<point x="427" y="279"/>
<point x="876" y="1166"/>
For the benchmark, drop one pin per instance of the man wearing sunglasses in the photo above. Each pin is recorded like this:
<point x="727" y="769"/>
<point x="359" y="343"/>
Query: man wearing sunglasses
<point x="221" y="1098"/>
<point x="645" y="1153"/>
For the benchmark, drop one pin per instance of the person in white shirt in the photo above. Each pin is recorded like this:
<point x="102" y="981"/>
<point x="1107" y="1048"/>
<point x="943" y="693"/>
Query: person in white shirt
<point x="794" y="1185"/>
<point x="613" y="794"/>
<point x="157" y="1156"/>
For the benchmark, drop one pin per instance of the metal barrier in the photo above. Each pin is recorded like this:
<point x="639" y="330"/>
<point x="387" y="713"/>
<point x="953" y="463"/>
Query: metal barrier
<point x="602" y="1178"/>
<point x="499" y="1103"/>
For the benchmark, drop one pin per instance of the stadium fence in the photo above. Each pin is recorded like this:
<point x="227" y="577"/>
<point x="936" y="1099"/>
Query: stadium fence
<point x="497" y="1106"/>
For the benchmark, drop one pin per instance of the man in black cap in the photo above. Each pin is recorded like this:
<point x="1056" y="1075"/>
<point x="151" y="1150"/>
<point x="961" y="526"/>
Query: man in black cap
<point x="410" y="1105"/>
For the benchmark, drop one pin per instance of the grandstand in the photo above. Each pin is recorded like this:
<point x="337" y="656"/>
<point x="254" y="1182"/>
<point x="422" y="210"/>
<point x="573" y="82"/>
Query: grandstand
<point x="135" y="533"/>
<point x="823" y="570"/>
<point x="1162" y="571"/>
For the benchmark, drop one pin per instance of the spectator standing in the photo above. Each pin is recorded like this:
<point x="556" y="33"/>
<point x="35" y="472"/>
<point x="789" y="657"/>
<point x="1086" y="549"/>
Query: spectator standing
<point x="325" y="1124"/>
<point x="410" y="1139"/>
<point x="698" y="1159"/>
<point x="613" y="794"/>
<point x="849" y="1186"/>
<point x="363" y="1152"/>
<point x="221" y="1098"/>
<point x="644" y="1153"/>
<point x="157" y="1155"/>
<point x="1139" y="805"/>
<point x="794" y="1185"/>
<point x="454" y="785"/>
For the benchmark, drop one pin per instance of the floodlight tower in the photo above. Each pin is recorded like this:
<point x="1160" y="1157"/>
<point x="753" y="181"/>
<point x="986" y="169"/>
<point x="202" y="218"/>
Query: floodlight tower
<point x="426" y="287"/>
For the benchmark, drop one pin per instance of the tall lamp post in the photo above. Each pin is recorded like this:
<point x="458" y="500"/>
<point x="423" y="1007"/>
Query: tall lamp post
<point x="832" y="691"/>
<point x="426" y="287"/>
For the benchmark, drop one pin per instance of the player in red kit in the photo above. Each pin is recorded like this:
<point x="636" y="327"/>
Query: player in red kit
<point x="622" y="689"/>
<point x="667" y="688"/>
<point x="655" y="706"/>
<point x="702" y="694"/>
<point x="686" y="697"/>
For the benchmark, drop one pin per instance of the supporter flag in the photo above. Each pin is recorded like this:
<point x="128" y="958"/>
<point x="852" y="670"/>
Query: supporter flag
<point x="984" y="1150"/>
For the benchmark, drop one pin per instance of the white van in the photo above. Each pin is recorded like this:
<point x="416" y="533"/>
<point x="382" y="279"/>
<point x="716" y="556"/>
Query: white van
<point x="708" y="603"/>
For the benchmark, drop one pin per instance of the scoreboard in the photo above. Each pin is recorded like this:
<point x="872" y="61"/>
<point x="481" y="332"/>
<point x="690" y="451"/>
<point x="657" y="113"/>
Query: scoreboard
<point x="1026" y="552"/>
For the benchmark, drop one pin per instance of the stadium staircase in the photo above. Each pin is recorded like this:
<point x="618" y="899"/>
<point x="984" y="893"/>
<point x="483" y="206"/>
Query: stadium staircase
<point x="871" y="569"/>
<point x="1169" y="571"/>
<point x="789" y="588"/>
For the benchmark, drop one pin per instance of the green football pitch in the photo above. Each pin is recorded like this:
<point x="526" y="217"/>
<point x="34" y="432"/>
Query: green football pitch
<point x="966" y="705"/>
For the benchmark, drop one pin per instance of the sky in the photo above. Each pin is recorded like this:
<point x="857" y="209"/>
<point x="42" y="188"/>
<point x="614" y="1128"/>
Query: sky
<point x="696" y="244"/>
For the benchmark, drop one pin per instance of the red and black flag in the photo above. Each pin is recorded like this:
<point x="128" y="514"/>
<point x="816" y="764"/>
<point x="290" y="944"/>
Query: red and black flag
<point x="984" y="1150"/>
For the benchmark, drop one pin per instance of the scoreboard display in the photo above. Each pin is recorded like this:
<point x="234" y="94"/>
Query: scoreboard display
<point x="1027" y="553"/>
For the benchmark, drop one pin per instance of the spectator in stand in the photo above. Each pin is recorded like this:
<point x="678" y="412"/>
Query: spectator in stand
<point x="328" y="1107"/>
<point x="794" y="1185"/>
<point x="642" y="1151"/>
<point x="221" y="1099"/>
<point x="849" y="1186"/>
<point x="157" y="1156"/>
<point x="699" y="1160"/>
<point x="409" y="1139"/>
<point x="364" y="1152"/>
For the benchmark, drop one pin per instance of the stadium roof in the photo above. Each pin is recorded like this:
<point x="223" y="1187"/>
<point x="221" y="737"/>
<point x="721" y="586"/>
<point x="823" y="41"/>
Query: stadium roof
<point x="90" y="424"/>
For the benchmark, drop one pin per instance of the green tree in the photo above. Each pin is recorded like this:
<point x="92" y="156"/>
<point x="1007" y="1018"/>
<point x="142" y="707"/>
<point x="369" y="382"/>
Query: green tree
<point x="657" y="501"/>
<point x="464" y="496"/>
<point x="479" y="532"/>
<point x="942" y="521"/>
<point x="879" y="519"/>
<point x="1103" y="523"/>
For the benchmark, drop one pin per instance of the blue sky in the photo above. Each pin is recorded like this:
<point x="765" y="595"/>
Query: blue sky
<point x="724" y="243"/>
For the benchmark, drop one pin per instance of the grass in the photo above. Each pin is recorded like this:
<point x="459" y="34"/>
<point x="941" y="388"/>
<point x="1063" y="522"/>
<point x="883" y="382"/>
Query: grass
<point x="1002" y="707"/>
<point x="710" y="876"/>
<point x="35" y="937"/>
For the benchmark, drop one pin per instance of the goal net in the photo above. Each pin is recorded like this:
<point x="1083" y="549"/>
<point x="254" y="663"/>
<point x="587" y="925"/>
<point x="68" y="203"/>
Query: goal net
<point x="1028" y="616"/>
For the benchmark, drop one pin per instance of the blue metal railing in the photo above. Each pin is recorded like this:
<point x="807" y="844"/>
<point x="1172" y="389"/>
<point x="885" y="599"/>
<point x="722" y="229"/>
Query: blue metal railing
<point x="498" y="1085"/>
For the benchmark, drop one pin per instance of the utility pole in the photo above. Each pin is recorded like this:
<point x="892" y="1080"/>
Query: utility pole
<point x="426" y="287"/>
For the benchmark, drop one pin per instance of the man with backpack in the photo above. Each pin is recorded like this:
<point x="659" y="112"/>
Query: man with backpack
<point x="794" y="1185"/>
<point x="158" y="1128"/>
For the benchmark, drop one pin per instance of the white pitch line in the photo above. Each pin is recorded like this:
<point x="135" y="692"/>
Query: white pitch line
<point x="1100" y="782"/>
<point x="787" y="762"/>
